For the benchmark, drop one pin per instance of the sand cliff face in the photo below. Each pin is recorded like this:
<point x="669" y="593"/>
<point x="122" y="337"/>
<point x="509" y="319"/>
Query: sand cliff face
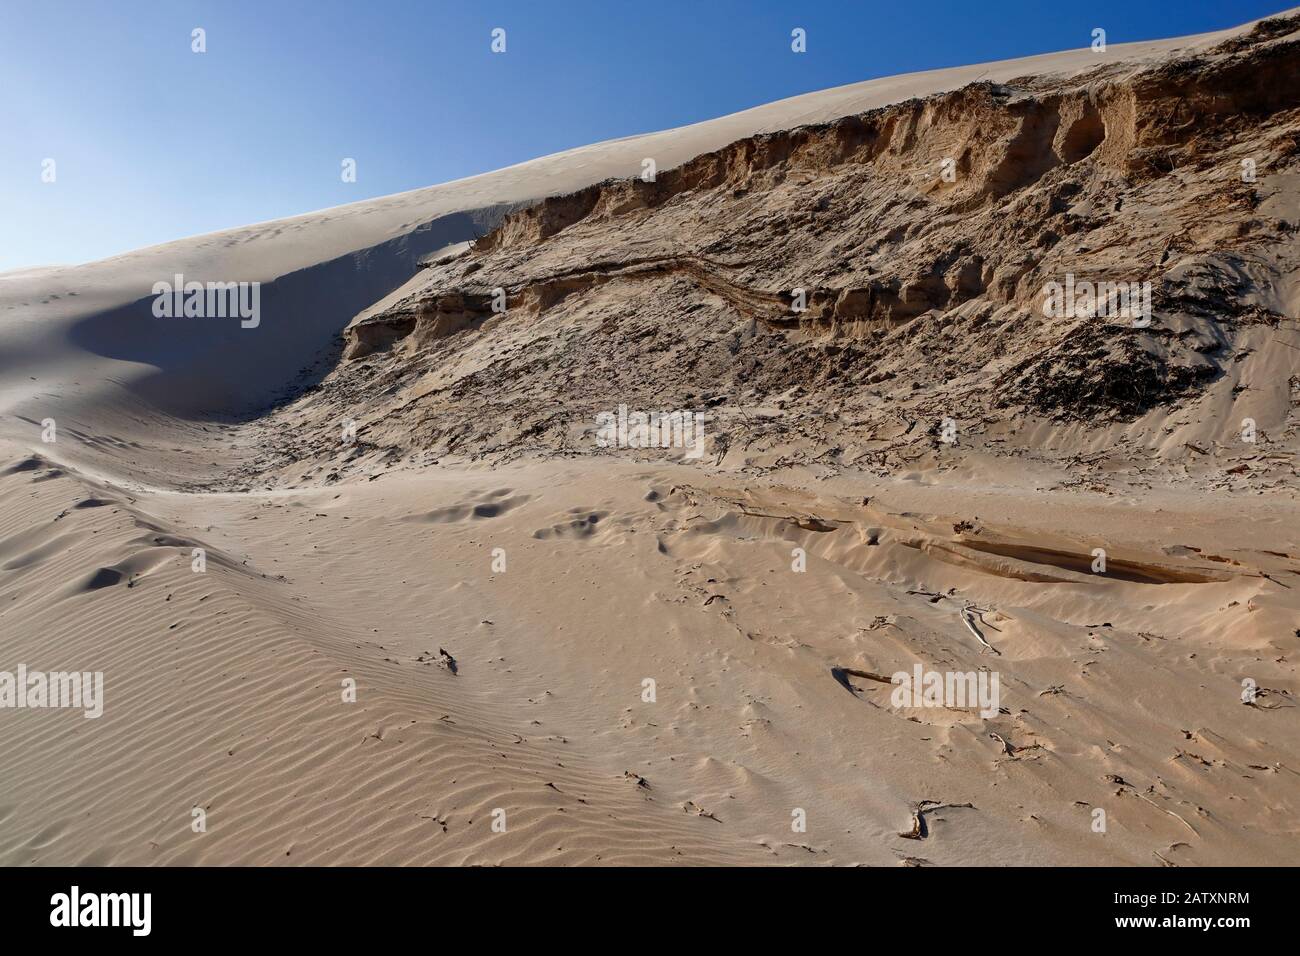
<point x="921" y="297"/>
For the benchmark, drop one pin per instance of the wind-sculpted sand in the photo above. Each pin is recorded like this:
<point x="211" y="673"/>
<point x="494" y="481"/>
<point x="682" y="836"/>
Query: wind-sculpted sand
<point x="224" y="689"/>
<point x="364" y="587"/>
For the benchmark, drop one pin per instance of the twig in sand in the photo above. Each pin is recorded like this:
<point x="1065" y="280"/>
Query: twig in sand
<point x="919" y="830"/>
<point x="690" y="806"/>
<point x="1121" y="782"/>
<point x="842" y="675"/>
<point x="968" y="619"/>
<point x="640" y="781"/>
<point x="1010" y="749"/>
<point x="980" y="612"/>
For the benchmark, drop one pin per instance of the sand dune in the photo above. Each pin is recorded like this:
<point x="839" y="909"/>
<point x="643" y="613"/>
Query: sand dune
<point x="86" y="334"/>
<point x="365" y="589"/>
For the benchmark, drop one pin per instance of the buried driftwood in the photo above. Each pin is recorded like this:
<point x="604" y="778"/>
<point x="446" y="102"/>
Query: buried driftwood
<point x="842" y="675"/>
<point x="968" y="614"/>
<point x="919" y="830"/>
<point x="1123" y="784"/>
<point x="1010" y="749"/>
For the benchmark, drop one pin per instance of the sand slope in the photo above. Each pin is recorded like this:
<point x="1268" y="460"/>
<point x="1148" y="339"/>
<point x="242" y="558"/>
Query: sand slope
<point x="224" y="688"/>
<point x="80" y="339"/>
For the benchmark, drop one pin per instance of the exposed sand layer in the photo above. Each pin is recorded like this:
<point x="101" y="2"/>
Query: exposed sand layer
<point x="81" y="339"/>
<point x="918" y="299"/>
<point x="631" y="657"/>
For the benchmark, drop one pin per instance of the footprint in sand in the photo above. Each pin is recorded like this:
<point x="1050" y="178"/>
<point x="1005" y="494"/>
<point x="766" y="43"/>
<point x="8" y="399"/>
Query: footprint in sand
<point x="494" y="505"/>
<point x="583" y="525"/>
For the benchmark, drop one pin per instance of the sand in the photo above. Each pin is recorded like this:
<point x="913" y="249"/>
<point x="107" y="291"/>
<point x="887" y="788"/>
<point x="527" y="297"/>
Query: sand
<point x="471" y="636"/>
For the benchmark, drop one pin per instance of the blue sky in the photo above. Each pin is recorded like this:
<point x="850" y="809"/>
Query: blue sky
<point x="154" y="142"/>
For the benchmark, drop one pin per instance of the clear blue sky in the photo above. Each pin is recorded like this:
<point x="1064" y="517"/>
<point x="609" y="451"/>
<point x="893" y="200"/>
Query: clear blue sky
<point x="153" y="142"/>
